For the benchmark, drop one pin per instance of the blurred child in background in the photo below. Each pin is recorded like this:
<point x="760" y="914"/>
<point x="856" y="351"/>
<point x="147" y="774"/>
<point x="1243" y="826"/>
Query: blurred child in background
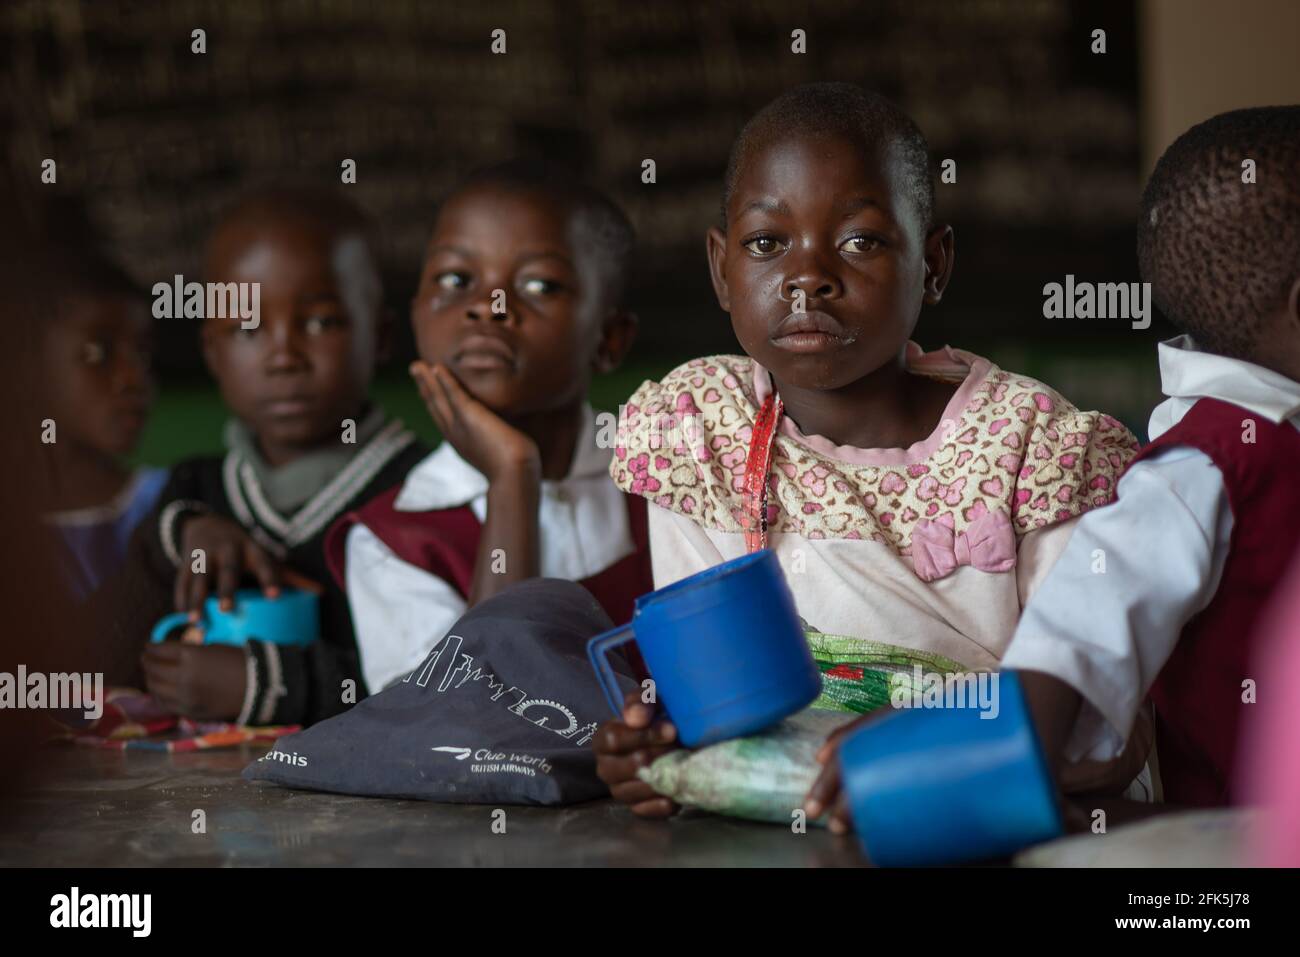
<point x="304" y="443"/>
<point x="95" y="374"/>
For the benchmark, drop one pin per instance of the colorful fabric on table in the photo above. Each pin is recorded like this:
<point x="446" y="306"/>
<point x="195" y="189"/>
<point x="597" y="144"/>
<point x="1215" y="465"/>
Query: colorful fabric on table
<point x="133" y="721"/>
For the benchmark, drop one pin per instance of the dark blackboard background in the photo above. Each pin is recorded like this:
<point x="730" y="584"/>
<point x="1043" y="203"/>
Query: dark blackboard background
<point x="156" y="139"/>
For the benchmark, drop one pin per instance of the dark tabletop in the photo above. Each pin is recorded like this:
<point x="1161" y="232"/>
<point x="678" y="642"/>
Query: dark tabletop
<point x="95" y="808"/>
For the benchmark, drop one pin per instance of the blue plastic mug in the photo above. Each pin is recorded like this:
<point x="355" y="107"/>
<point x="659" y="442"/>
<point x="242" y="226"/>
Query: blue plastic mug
<point x="725" y="648"/>
<point x="293" y="618"/>
<point x="946" y="786"/>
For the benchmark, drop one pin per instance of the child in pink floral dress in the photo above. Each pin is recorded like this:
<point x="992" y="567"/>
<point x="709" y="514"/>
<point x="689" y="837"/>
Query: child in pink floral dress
<point x="952" y="531"/>
<point x="912" y="498"/>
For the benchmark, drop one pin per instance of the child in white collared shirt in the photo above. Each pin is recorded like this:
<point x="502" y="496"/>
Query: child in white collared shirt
<point x="409" y="553"/>
<point x="520" y="302"/>
<point x="1161" y="590"/>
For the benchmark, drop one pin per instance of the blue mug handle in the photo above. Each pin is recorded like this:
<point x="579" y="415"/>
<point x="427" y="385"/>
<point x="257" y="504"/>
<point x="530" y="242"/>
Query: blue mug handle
<point x="168" y="624"/>
<point x="597" y="649"/>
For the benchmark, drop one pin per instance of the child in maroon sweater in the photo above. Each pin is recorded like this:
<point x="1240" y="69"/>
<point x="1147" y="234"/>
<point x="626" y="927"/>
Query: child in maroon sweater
<point x="1160" y="591"/>
<point x="520" y="303"/>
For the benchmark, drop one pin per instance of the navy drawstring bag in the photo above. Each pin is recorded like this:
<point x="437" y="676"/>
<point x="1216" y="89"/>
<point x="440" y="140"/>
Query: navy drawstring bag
<point x="501" y="711"/>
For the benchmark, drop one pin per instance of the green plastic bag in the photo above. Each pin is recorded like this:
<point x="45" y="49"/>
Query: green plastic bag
<point x="858" y="675"/>
<point x="764" y="777"/>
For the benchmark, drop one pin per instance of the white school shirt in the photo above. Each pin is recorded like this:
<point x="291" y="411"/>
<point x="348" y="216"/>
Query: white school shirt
<point x="400" y="612"/>
<point x="1164" y="542"/>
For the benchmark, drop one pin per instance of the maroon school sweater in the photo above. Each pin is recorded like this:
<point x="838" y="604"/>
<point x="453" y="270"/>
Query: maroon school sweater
<point x="444" y="542"/>
<point x="1198" y="694"/>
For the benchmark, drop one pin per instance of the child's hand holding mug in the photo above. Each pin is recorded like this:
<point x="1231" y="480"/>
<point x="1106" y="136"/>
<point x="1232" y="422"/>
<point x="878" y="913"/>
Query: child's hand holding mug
<point x="229" y="554"/>
<point x="826" y="792"/>
<point x="623" y="747"/>
<point x="205" y="682"/>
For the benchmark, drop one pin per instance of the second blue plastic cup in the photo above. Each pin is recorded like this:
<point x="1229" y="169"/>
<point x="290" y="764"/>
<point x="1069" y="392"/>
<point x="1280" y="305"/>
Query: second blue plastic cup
<point x="950" y="785"/>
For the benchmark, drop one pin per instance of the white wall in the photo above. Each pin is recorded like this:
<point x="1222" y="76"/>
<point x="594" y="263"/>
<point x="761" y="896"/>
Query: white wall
<point x="1202" y="57"/>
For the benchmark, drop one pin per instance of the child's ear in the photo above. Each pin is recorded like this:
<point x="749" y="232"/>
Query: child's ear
<point x="715" y="247"/>
<point x="617" y="336"/>
<point x="938" y="262"/>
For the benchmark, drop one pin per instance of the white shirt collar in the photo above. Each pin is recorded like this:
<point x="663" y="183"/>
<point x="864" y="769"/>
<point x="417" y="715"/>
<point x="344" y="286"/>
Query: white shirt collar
<point x="445" y="480"/>
<point x="1187" y="373"/>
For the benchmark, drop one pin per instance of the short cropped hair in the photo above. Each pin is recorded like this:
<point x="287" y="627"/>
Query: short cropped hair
<point x="1220" y="253"/>
<point x="841" y="110"/>
<point x="320" y="209"/>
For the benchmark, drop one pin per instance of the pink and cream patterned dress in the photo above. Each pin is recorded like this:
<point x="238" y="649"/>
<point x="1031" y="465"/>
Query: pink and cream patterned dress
<point x="935" y="547"/>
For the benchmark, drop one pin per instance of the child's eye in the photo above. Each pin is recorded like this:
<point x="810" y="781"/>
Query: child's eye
<point x="315" y="325"/>
<point x="860" y="244"/>
<point x="762" y="245"/>
<point x="540" y="287"/>
<point x="452" y="280"/>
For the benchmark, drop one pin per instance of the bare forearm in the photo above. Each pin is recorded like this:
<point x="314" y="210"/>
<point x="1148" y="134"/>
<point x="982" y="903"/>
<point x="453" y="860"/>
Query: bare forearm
<point x="1054" y="706"/>
<point x="508" y="551"/>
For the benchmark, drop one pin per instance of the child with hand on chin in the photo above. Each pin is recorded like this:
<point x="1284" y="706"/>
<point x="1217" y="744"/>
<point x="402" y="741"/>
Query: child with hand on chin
<point x="520" y="302"/>
<point x="912" y="498"/>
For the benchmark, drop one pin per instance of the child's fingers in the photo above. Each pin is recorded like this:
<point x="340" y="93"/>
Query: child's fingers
<point x="420" y="373"/>
<point x="639" y="715"/>
<point x="834" y="739"/>
<point x="228" y="570"/>
<point x="443" y="396"/>
<point x="841" y="820"/>
<point x="456" y="393"/>
<point x="198" y="594"/>
<point x="632" y="792"/>
<point x="163" y="655"/>
<point x="823" y="791"/>
<point x="656" y="807"/>
<point x="468" y="411"/>
<point x="437" y="403"/>
<point x="615" y="769"/>
<point x="162" y="674"/>
<point x="421" y="376"/>
<point x="616" y="738"/>
<point x="264" y="570"/>
<point x="181" y="587"/>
